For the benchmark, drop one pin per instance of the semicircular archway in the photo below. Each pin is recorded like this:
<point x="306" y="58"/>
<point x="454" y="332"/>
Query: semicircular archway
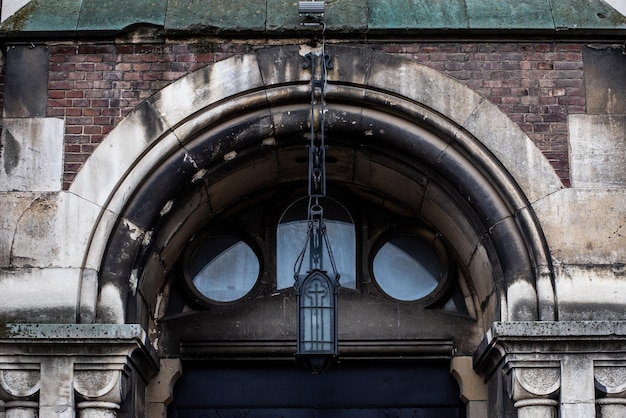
<point x="236" y="127"/>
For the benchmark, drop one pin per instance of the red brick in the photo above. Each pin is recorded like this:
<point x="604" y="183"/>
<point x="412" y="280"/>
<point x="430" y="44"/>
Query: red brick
<point x="93" y="130"/>
<point x="91" y="112"/>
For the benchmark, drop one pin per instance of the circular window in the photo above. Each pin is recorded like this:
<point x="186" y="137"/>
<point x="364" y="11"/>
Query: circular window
<point x="407" y="268"/>
<point x="223" y="268"/>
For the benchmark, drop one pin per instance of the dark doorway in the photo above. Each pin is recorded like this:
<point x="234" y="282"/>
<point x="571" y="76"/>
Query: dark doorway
<point x="422" y="389"/>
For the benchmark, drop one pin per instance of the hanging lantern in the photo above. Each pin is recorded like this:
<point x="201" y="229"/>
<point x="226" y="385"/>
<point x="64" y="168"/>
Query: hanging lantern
<point x="316" y="297"/>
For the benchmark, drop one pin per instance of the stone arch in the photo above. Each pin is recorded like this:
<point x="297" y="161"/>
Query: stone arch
<point x="236" y="107"/>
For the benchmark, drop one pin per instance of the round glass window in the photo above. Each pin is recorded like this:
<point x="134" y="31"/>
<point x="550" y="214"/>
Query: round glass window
<point x="407" y="267"/>
<point x="224" y="268"/>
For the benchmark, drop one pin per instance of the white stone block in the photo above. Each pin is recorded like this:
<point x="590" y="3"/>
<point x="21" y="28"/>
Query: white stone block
<point x="585" y="226"/>
<point x="39" y="295"/>
<point x="54" y="231"/>
<point x="12" y="206"/>
<point x="31" y="154"/>
<point x="590" y="292"/>
<point x="598" y="150"/>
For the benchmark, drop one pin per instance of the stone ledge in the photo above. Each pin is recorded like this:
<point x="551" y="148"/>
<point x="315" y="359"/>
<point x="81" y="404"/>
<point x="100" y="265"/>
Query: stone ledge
<point x="82" y="332"/>
<point x="543" y="342"/>
<point x="529" y="330"/>
<point x="84" y="341"/>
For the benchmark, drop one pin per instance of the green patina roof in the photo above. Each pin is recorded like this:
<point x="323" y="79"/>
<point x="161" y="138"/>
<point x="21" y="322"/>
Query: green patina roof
<point x="266" y="17"/>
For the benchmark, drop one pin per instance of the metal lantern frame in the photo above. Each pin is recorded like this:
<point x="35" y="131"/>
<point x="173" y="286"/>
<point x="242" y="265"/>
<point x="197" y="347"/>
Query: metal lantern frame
<point x="316" y="298"/>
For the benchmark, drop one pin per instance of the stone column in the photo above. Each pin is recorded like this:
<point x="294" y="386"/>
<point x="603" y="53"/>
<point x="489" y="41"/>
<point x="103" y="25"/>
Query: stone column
<point x="610" y="383"/>
<point x="19" y="387"/>
<point x="533" y="390"/>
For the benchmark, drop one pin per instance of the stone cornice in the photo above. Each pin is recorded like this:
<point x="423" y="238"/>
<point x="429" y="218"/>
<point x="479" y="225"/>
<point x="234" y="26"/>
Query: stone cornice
<point x="119" y="343"/>
<point x="544" y="342"/>
<point x="549" y="18"/>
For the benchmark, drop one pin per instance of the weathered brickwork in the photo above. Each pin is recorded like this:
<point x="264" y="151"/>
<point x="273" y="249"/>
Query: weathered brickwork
<point x="536" y="84"/>
<point x="94" y="86"/>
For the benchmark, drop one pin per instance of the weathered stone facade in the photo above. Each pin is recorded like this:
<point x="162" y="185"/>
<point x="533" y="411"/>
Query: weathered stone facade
<point x="121" y="143"/>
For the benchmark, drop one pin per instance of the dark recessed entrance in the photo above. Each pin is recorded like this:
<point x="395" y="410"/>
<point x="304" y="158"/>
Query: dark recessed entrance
<point x="269" y="389"/>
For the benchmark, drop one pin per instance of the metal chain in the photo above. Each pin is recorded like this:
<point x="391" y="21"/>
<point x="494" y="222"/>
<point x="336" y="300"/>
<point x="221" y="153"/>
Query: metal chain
<point x="317" y="238"/>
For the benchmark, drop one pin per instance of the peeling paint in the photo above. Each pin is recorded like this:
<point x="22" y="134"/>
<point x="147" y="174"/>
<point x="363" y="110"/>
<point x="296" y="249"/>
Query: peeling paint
<point x="167" y="207"/>
<point x="147" y="238"/>
<point x="269" y="142"/>
<point x="306" y="49"/>
<point x="133" y="280"/>
<point x="135" y="232"/>
<point x="198" y="176"/>
<point x="230" y="156"/>
<point x="189" y="158"/>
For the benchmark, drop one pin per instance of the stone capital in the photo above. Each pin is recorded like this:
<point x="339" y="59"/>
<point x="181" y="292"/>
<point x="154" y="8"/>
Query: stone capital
<point x="610" y="378"/>
<point x="19" y="382"/>
<point x="527" y="383"/>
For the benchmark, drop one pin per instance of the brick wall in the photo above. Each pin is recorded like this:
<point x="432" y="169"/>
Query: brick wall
<point x="536" y="84"/>
<point x="94" y="86"/>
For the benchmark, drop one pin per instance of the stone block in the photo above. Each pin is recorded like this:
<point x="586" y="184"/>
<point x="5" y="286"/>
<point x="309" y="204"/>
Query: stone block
<point x="207" y="86"/>
<point x="598" y="150"/>
<point x="605" y="71"/>
<point x="511" y="145"/>
<point x="117" y="154"/>
<point x="12" y="206"/>
<point x="39" y="295"/>
<point x="54" y="231"/>
<point x="424" y="85"/>
<point x="26" y="82"/>
<point x="588" y="293"/>
<point x="31" y="154"/>
<point x="585" y="226"/>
